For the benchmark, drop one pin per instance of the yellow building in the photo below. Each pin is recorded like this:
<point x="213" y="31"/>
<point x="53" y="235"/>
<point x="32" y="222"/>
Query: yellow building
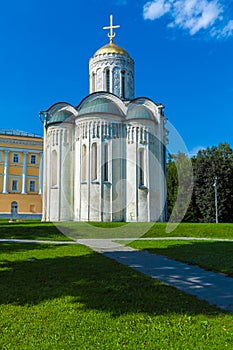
<point x="21" y="169"/>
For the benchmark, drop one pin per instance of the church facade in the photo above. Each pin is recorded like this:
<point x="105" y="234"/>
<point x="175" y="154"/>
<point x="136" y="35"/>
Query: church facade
<point x="104" y="160"/>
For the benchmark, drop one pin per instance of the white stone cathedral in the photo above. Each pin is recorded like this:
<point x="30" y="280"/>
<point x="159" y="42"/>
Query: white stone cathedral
<point x="104" y="160"/>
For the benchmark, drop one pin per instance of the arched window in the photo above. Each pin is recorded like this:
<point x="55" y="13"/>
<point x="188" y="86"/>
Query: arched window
<point x="84" y="163"/>
<point x="93" y="82"/>
<point x="123" y="83"/>
<point x="105" y="162"/>
<point x="107" y="80"/>
<point x="141" y="167"/>
<point x="94" y="161"/>
<point x="54" y="168"/>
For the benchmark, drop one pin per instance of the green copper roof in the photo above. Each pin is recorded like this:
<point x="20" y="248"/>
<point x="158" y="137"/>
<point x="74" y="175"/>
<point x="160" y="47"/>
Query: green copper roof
<point x="100" y="105"/>
<point x="58" y="117"/>
<point x="139" y="112"/>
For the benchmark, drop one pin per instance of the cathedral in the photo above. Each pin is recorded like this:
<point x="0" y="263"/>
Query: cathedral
<point x="104" y="160"/>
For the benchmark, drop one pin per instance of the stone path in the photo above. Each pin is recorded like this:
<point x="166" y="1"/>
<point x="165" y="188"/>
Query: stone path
<point x="215" y="288"/>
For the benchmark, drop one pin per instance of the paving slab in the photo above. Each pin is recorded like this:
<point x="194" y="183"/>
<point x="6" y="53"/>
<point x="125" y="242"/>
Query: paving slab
<point x="215" y="288"/>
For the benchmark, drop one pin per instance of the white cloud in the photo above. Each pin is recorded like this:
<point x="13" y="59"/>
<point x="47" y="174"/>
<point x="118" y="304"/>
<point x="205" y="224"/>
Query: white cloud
<point x="156" y="9"/>
<point x="191" y="15"/>
<point x="225" y="32"/>
<point x="195" y="15"/>
<point x="195" y="150"/>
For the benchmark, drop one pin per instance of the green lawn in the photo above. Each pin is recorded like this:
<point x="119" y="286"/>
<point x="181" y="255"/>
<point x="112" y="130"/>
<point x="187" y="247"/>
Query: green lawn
<point x="30" y="230"/>
<point x="192" y="230"/>
<point x="49" y="231"/>
<point x="210" y="255"/>
<point x="69" y="297"/>
<point x="143" y="229"/>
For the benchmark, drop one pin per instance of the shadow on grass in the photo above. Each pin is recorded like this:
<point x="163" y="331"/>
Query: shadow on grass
<point x="94" y="281"/>
<point x="31" y="230"/>
<point x="11" y="248"/>
<point x="214" y="256"/>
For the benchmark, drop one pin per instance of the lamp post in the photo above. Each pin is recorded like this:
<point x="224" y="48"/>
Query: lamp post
<point x="216" y="198"/>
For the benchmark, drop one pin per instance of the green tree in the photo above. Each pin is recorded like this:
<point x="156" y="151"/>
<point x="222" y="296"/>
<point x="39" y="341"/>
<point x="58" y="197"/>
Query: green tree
<point x="172" y="183"/>
<point x="179" y="186"/>
<point x="208" y="164"/>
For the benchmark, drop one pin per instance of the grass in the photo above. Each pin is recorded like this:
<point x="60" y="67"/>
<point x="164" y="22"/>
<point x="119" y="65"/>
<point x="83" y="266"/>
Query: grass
<point x="115" y="230"/>
<point x="69" y="297"/>
<point x="77" y="230"/>
<point x="31" y="229"/>
<point x="74" y="230"/>
<point x="224" y="231"/>
<point x="211" y="255"/>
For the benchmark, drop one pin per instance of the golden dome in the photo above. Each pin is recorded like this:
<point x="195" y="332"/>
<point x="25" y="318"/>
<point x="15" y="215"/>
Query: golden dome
<point x="111" y="48"/>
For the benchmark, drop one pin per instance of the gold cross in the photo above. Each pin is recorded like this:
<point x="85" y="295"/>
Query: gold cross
<point x="111" y="34"/>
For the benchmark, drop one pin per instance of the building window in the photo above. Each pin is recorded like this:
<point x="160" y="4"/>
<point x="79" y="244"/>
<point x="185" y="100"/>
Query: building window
<point x="33" y="159"/>
<point x="94" y="162"/>
<point x="15" y="158"/>
<point x="106" y="162"/>
<point x="32" y="186"/>
<point x="93" y="82"/>
<point x="54" y="168"/>
<point x="141" y="167"/>
<point x="0" y="156"/>
<point x="123" y="84"/>
<point x="32" y="208"/>
<point x="107" y="80"/>
<point x="14" y="185"/>
<point x="84" y="163"/>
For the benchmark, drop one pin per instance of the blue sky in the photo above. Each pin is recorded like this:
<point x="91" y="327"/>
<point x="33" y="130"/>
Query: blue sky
<point x="183" y="52"/>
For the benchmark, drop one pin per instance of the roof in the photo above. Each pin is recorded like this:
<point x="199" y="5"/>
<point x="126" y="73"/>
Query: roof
<point x="104" y="104"/>
<point x="111" y="48"/>
<point x="16" y="132"/>
<point x="100" y="105"/>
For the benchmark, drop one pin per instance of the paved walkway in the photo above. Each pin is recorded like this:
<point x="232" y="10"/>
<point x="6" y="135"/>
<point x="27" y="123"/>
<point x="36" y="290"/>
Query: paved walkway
<point x="215" y="288"/>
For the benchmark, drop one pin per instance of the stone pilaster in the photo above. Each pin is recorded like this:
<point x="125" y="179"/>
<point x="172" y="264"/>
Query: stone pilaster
<point x="5" y="179"/>
<point x="24" y="174"/>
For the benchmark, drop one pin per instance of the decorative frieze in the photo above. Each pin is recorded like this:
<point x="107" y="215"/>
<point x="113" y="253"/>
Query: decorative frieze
<point x="19" y="142"/>
<point x="97" y="128"/>
<point x="138" y="134"/>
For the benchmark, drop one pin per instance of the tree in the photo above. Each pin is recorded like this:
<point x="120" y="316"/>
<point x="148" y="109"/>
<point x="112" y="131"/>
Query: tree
<point x="208" y="164"/>
<point x="179" y="185"/>
<point x="172" y="183"/>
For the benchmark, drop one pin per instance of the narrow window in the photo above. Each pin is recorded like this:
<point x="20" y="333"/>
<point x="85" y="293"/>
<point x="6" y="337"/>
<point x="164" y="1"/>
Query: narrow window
<point x="123" y="84"/>
<point x="54" y="168"/>
<point x="15" y="158"/>
<point x="33" y="159"/>
<point x="94" y="161"/>
<point x="84" y="163"/>
<point x="107" y="80"/>
<point x="141" y="167"/>
<point x="106" y="162"/>
<point x="14" y="185"/>
<point x="93" y="81"/>
<point x="65" y="136"/>
<point x="32" y="186"/>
